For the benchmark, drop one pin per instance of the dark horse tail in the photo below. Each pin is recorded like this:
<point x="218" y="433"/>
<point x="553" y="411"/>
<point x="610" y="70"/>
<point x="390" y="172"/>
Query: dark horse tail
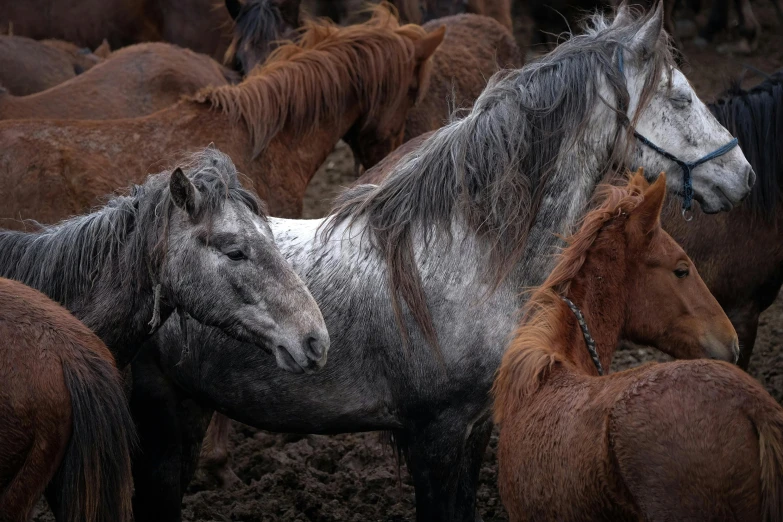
<point x="94" y="482"/>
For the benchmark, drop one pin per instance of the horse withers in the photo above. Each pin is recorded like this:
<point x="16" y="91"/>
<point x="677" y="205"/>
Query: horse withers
<point x="64" y="422"/>
<point x="686" y="440"/>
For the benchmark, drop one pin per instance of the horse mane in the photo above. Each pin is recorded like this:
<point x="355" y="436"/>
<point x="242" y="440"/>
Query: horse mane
<point x="305" y="82"/>
<point x="259" y="24"/>
<point x="126" y="239"/>
<point x="531" y="354"/>
<point x="755" y="117"/>
<point x="491" y="168"/>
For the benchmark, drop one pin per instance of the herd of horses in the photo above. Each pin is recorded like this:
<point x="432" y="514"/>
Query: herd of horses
<point x="133" y="327"/>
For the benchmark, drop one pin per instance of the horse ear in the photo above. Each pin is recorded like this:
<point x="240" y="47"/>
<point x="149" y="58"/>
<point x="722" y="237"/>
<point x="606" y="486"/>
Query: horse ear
<point x="426" y="46"/>
<point x="183" y="192"/>
<point x="647" y="37"/>
<point x="648" y="214"/>
<point x="622" y="16"/>
<point x="103" y="50"/>
<point x="233" y="7"/>
<point x="637" y="180"/>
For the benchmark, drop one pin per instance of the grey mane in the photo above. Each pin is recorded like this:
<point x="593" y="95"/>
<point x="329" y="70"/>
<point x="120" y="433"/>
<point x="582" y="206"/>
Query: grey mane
<point x="489" y="169"/>
<point x="126" y="238"/>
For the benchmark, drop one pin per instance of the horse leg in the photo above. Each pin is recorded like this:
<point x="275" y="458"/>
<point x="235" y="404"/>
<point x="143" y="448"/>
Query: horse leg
<point x="157" y="463"/>
<point x="435" y="453"/>
<point x="749" y="26"/>
<point x="475" y="448"/>
<point x="718" y="20"/>
<point x="28" y="483"/>
<point x="214" y="451"/>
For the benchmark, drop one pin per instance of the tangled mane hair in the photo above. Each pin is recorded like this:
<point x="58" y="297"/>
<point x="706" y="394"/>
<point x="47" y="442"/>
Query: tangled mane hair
<point x="303" y="83"/>
<point x="490" y="169"/>
<point x="127" y="238"/>
<point x="755" y="117"/>
<point x="530" y="355"/>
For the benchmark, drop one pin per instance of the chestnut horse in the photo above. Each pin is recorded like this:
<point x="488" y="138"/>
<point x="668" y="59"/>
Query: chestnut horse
<point x="28" y="66"/>
<point x="687" y="440"/>
<point x="278" y="125"/>
<point x="64" y="420"/>
<point x="136" y="81"/>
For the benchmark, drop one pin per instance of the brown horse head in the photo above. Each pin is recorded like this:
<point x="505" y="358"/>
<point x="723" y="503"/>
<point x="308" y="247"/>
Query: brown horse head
<point x="374" y="136"/>
<point x="669" y="305"/>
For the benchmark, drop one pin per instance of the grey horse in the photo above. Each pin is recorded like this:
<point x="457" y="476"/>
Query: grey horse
<point x="420" y="278"/>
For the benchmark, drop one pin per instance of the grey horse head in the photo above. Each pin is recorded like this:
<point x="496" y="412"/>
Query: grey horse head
<point x="221" y="266"/>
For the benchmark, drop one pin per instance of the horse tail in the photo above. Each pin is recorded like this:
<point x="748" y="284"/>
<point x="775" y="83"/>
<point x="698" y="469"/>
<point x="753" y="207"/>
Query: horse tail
<point x="770" y="432"/>
<point x="94" y="482"/>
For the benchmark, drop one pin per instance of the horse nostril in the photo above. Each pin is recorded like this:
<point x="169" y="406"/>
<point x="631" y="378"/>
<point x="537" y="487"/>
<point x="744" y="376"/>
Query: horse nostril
<point x="314" y="348"/>
<point x="751" y="178"/>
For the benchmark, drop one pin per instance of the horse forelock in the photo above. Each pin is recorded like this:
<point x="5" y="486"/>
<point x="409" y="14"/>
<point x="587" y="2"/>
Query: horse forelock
<point x="490" y="169"/>
<point x="126" y="238"/>
<point x="532" y="351"/>
<point x="755" y="117"/>
<point x="304" y="83"/>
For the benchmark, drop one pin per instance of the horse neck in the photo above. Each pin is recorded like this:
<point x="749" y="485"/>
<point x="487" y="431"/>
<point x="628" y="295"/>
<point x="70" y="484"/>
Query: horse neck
<point x="601" y="296"/>
<point x="116" y="307"/>
<point x="295" y="158"/>
<point x="564" y="201"/>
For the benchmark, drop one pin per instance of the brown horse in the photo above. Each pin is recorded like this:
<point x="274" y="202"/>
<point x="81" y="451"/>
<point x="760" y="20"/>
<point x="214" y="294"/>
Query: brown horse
<point x="28" y="66"/>
<point x="688" y="440"/>
<point x="474" y="48"/>
<point x="64" y="420"/>
<point x="278" y="125"/>
<point x="136" y="81"/>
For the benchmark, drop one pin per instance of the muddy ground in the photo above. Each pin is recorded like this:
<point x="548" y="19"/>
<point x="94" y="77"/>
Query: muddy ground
<point x="354" y="477"/>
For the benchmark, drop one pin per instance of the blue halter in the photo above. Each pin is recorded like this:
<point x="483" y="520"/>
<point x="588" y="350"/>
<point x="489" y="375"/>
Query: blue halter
<point x="686" y="166"/>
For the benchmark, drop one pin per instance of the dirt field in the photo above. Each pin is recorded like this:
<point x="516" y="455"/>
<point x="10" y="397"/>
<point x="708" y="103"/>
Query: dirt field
<point x="354" y="477"/>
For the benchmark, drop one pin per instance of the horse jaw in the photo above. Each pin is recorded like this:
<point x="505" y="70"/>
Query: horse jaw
<point x="689" y="131"/>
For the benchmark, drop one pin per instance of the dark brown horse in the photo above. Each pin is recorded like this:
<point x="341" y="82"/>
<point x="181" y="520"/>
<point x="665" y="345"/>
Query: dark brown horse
<point x="136" y="81"/>
<point x="740" y="256"/>
<point x="28" y="66"/>
<point x="64" y="420"/>
<point x="687" y="440"/>
<point x="278" y="125"/>
<point x="259" y="26"/>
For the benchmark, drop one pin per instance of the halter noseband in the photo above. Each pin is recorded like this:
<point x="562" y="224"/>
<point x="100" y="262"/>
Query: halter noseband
<point x="580" y="318"/>
<point x="686" y="166"/>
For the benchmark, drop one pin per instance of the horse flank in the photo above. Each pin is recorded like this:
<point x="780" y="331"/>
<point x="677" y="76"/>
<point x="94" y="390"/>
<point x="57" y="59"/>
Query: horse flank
<point x="490" y="169"/>
<point x="127" y="237"/>
<point x="311" y="80"/>
<point x="530" y="355"/>
<point x="755" y="117"/>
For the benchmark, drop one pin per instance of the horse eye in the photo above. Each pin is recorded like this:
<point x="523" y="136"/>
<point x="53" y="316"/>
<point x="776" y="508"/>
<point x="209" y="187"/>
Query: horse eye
<point x="236" y="255"/>
<point x="682" y="101"/>
<point x="681" y="273"/>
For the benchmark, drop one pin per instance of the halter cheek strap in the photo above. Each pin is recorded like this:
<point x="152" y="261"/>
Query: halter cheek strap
<point x="686" y="166"/>
<point x="589" y="341"/>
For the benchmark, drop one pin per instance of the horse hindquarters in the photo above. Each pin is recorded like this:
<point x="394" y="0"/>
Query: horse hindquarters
<point x="94" y="481"/>
<point x="706" y="431"/>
